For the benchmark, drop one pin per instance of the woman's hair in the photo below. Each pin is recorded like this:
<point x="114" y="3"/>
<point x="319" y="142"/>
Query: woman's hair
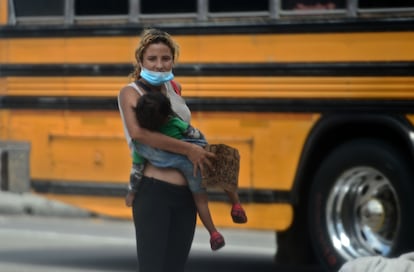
<point x="153" y="110"/>
<point x="152" y="36"/>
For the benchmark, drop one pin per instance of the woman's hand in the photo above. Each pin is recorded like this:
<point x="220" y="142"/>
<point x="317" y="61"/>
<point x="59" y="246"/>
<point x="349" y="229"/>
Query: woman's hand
<point x="200" y="158"/>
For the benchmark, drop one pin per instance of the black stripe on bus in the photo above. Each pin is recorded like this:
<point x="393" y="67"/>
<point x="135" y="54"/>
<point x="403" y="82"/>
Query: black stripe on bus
<point x="120" y="189"/>
<point x="272" y="27"/>
<point x="220" y="104"/>
<point x="374" y="68"/>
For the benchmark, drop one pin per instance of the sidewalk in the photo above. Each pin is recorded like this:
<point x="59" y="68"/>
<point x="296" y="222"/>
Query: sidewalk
<point x="31" y="204"/>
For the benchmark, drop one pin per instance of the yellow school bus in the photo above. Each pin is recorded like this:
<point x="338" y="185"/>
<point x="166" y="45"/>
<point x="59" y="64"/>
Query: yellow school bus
<point x="317" y="97"/>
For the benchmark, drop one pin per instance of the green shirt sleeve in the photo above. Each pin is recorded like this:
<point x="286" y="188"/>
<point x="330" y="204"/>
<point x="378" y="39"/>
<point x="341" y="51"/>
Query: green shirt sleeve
<point x="175" y="127"/>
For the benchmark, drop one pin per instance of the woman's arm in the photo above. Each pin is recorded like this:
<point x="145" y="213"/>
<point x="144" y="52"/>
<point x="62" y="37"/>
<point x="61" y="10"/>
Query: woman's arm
<point x="196" y="154"/>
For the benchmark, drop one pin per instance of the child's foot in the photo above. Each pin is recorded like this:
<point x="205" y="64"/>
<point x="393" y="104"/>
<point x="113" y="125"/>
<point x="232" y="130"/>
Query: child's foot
<point x="216" y="241"/>
<point x="238" y="214"/>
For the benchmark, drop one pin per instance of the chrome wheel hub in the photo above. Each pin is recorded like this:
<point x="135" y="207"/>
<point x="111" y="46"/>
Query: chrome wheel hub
<point x="363" y="213"/>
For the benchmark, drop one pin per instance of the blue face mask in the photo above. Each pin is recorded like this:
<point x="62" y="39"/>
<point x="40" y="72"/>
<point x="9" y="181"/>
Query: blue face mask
<point x="156" y="78"/>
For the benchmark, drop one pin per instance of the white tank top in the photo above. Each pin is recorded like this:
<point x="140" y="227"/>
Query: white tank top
<point x="177" y="104"/>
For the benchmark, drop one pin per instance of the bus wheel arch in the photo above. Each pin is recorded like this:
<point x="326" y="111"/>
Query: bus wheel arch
<point x="373" y="173"/>
<point x="328" y="133"/>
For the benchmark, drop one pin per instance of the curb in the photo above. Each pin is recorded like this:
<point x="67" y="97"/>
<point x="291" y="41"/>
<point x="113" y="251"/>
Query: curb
<point x="30" y="204"/>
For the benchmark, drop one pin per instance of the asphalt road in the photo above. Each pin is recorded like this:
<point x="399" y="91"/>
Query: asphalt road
<point x="41" y="235"/>
<point x="35" y="243"/>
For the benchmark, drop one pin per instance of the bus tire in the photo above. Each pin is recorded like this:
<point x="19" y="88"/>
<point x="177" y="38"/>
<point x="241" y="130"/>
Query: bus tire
<point x="361" y="203"/>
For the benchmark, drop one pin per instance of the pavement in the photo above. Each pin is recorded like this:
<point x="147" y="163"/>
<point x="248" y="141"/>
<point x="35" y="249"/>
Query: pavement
<point x="31" y="204"/>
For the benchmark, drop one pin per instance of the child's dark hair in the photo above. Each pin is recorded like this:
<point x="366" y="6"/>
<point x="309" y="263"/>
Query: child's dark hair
<point x="153" y="110"/>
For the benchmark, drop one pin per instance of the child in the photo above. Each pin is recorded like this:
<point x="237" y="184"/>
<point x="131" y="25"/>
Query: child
<point x="153" y="112"/>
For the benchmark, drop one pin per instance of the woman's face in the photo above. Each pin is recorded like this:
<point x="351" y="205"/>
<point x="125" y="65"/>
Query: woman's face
<point x="158" y="57"/>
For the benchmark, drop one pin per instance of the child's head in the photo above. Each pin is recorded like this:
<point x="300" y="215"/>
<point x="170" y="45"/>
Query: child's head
<point x="153" y="110"/>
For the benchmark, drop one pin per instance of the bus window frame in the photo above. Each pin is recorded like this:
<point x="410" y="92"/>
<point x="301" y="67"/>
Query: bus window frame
<point x="386" y="10"/>
<point x="203" y="14"/>
<point x="13" y="19"/>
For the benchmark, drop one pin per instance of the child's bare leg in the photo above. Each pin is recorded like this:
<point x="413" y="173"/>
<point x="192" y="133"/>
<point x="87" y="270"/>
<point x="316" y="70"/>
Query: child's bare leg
<point x="237" y="212"/>
<point x="216" y="239"/>
<point x="201" y="201"/>
<point x="233" y="196"/>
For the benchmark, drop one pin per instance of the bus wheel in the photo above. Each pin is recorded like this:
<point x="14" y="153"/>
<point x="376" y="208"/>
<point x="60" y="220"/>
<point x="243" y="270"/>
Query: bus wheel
<point x="361" y="203"/>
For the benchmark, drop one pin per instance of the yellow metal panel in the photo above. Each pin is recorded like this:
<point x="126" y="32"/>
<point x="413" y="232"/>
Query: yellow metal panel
<point x="71" y="50"/>
<point x="266" y="216"/>
<point x="36" y="86"/>
<point x="100" y="86"/>
<point x="29" y="50"/>
<point x="86" y="146"/>
<point x="4" y="124"/>
<point x="91" y="148"/>
<point x="223" y="48"/>
<point x="411" y="119"/>
<point x="274" y="141"/>
<point x="100" y="50"/>
<point x="278" y="148"/>
<point x="253" y="87"/>
<point x="34" y="127"/>
<point x="89" y="158"/>
<point x="4" y="51"/>
<point x="66" y="86"/>
<point x="3" y="12"/>
<point x="3" y="86"/>
<point x="90" y="145"/>
<point x="297" y="47"/>
<point x="299" y="87"/>
<point x="261" y="216"/>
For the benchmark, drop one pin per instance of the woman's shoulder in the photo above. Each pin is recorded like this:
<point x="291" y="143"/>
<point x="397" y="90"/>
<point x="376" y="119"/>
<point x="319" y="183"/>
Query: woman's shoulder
<point x="129" y="89"/>
<point x="128" y="95"/>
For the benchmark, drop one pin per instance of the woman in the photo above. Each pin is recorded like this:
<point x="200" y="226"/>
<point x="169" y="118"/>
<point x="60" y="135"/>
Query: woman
<point x="163" y="210"/>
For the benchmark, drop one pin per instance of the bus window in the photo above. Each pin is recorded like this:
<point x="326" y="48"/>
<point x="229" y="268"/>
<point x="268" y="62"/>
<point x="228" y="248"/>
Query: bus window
<point x="365" y="4"/>
<point x="167" y="6"/>
<point x="312" y="4"/>
<point x="27" y="8"/>
<point x="238" y="5"/>
<point x="101" y="7"/>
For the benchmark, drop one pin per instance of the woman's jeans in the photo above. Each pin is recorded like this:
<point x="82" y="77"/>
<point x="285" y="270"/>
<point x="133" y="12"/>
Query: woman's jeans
<point x="165" y="219"/>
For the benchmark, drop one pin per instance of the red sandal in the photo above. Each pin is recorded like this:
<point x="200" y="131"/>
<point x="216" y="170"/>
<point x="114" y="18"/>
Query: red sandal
<point x="238" y="214"/>
<point x="216" y="241"/>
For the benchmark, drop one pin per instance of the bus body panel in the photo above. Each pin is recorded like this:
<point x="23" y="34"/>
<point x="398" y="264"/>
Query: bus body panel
<point x="266" y="48"/>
